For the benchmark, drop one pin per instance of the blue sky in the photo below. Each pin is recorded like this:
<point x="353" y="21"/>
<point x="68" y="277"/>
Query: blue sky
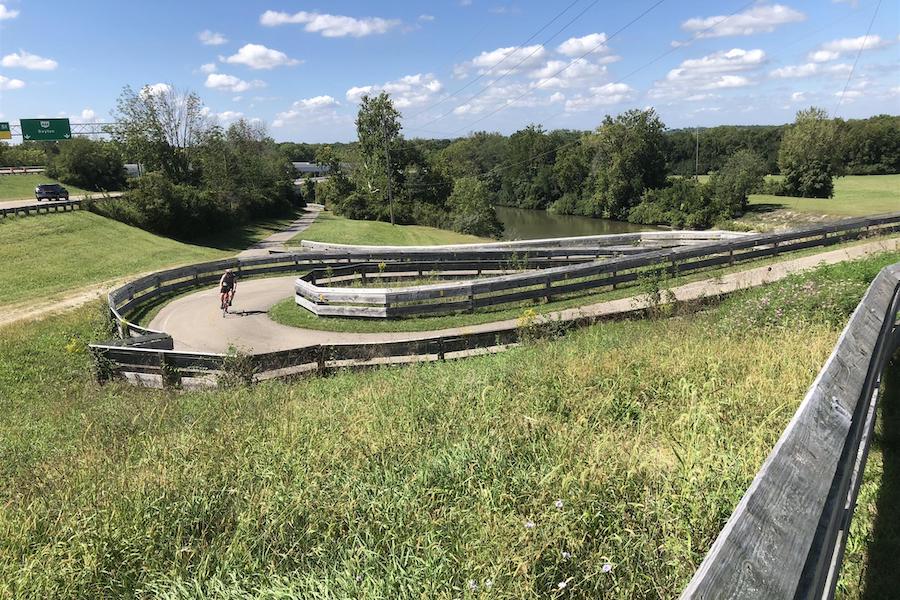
<point x="454" y="66"/>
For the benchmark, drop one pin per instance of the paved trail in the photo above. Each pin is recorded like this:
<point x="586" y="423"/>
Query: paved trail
<point x="196" y="322"/>
<point x="276" y="240"/>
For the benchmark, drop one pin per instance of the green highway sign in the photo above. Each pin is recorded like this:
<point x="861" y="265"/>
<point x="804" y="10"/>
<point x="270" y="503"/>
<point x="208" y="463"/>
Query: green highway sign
<point x="5" y="133"/>
<point x="45" y="129"/>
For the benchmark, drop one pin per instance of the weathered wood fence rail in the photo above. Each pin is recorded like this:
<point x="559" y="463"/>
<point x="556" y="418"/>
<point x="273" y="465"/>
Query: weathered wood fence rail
<point x="555" y="281"/>
<point x="786" y="537"/>
<point x="42" y="207"/>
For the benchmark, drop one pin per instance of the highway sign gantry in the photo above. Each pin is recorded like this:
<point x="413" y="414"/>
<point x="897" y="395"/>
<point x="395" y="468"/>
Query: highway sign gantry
<point x="45" y="129"/>
<point x="5" y="132"/>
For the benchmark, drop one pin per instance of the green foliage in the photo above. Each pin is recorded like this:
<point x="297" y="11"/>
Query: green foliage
<point x="26" y="154"/>
<point x="628" y="159"/>
<point x="808" y="157"/>
<point x="378" y="130"/>
<point x="742" y="174"/>
<point x="870" y="146"/>
<point x="91" y="165"/>
<point x="199" y="178"/>
<point x="685" y="203"/>
<point x="471" y="210"/>
<point x="717" y="144"/>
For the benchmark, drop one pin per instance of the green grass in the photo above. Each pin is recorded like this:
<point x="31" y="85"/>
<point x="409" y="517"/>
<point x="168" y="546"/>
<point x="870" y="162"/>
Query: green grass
<point x="42" y="257"/>
<point x="854" y="196"/>
<point x="400" y="482"/>
<point x="20" y="187"/>
<point x="339" y="230"/>
<point x="287" y="312"/>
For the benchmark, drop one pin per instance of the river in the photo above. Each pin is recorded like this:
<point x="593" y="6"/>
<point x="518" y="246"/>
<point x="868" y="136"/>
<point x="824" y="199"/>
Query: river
<point x="525" y="224"/>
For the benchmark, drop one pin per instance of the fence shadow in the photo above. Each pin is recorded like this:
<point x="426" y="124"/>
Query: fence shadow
<point x="882" y="581"/>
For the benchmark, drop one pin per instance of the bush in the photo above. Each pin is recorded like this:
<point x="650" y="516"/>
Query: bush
<point x="95" y="166"/>
<point x="685" y="203"/>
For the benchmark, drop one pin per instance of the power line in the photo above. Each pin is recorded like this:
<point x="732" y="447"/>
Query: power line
<point x="505" y="57"/>
<point x="514" y="67"/>
<point x="563" y="69"/>
<point x="858" y="54"/>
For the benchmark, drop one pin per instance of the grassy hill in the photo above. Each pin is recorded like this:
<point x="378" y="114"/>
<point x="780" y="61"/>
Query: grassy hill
<point x="339" y="230"/>
<point x="43" y="256"/>
<point x="607" y="460"/>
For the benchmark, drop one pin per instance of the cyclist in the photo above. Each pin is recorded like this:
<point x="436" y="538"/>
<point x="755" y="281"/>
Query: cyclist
<point x="227" y="287"/>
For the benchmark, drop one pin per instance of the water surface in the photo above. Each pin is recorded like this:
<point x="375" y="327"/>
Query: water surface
<point x="526" y="224"/>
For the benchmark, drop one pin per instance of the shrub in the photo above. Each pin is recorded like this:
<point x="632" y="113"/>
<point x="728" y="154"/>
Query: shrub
<point x="90" y="165"/>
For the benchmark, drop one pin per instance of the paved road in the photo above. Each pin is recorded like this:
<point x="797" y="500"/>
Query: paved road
<point x="196" y="323"/>
<point x="276" y="240"/>
<point x="32" y="202"/>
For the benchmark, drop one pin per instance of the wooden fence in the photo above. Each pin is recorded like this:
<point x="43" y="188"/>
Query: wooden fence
<point x="786" y="537"/>
<point x="563" y="280"/>
<point x="40" y="207"/>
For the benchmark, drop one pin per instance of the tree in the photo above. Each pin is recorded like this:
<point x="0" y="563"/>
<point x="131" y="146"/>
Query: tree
<point x="378" y="130"/>
<point x="808" y="157"/>
<point x="159" y="128"/>
<point x="628" y="159"/>
<point x="685" y="203"/>
<point x="90" y="165"/>
<point x="471" y="210"/>
<point x="743" y="173"/>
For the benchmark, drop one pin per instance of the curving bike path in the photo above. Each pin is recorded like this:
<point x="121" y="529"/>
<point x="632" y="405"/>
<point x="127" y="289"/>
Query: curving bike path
<point x="196" y="323"/>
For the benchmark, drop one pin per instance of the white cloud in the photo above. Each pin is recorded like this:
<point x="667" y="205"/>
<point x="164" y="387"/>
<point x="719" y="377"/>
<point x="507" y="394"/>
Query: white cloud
<point x="330" y="25"/>
<point x="578" y="72"/>
<point x="10" y="84"/>
<point x="798" y="97"/>
<point x="836" y="48"/>
<point x="720" y="70"/>
<point x="208" y="68"/>
<point x="316" y="108"/>
<point x="257" y="56"/>
<point x="557" y="97"/>
<point x="604" y="95"/>
<point x="823" y="55"/>
<point x="508" y="59"/>
<point x="426" y="18"/>
<point x="406" y="91"/>
<point x="26" y="60"/>
<point x="6" y="13"/>
<point x="230" y="83"/>
<point x="761" y="18"/>
<point x="229" y="115"/>
<point x="211" y="38"/>
<point x="810" y="69"/>
<point x="156" y="89"/>
<point x="578" y="46"/>
<point x="848" y="95"/>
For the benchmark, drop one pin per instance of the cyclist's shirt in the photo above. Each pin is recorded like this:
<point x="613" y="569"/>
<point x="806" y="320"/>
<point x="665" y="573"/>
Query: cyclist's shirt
<point x="228" y="282"/>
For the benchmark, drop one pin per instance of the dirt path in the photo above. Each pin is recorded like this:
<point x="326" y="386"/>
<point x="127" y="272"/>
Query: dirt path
<point x="196" y="323"/>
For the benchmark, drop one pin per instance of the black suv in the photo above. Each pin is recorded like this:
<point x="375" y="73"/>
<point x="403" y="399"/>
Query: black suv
<point x="51" y="191"/>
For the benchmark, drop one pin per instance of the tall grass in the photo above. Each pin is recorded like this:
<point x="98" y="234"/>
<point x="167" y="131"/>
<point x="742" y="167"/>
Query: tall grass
<point x="606" y="461"/>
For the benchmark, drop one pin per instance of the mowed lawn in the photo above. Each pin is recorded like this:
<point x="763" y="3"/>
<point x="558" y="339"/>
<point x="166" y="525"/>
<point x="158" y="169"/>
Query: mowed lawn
<point x="329" y="227"/>
<point x="43" y="256"/>
<point x="607" y="461"/>
<point x="20" y="187"/>
<point x="854" y="196"/>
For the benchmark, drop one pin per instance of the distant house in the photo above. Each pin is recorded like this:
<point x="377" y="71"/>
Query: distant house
<point x="132" y="169"/>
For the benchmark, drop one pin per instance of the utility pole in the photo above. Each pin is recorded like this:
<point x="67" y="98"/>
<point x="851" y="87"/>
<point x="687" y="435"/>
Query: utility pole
<point x="387" y="157"/>
<point x="697" y="154"/>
